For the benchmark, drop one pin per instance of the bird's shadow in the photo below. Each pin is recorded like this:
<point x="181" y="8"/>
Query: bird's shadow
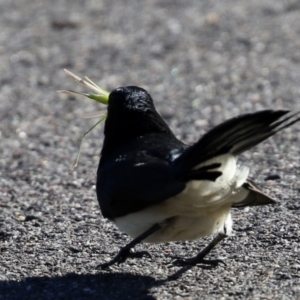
<point x="104" y="285"/>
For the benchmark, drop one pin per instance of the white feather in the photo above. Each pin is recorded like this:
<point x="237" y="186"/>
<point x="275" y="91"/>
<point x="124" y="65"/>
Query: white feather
<point x="201" y="209"/>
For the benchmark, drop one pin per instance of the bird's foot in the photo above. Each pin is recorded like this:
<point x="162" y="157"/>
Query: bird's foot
<point x="122" y="256"/>
<point x="198" y="260"/>
<point x="139" y="254"/>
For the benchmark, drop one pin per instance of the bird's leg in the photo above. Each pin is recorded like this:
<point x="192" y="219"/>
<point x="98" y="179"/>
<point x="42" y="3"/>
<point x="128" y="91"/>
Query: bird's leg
<point x="124" y="252"/>
<point x="199" y="258"/>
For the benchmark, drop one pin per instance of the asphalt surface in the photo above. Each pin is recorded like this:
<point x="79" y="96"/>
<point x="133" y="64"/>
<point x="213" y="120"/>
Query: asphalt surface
<point x="203" y="62"/>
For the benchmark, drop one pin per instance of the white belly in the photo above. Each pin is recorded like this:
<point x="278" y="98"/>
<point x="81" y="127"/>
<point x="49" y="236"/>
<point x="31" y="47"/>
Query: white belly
<point x="203" y="208"/>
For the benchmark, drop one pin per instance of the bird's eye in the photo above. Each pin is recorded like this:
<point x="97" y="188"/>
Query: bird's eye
<point x="120" y="90"/>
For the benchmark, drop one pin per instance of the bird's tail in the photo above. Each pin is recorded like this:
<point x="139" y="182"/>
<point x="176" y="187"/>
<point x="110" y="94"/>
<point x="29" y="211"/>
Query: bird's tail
<point x="255" y="196"/>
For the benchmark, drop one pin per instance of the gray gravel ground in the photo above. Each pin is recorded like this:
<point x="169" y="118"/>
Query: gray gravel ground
<point x="203" y="62"/>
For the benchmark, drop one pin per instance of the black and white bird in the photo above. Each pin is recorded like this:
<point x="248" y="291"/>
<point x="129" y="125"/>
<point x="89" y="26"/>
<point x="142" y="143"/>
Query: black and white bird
<point x="157" y="189"/>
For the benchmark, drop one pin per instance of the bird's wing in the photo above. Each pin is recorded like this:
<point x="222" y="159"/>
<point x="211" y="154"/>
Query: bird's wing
<point x="125" y="186"/>
<point x="129" y="185"/>
<point x="236" y="136"/>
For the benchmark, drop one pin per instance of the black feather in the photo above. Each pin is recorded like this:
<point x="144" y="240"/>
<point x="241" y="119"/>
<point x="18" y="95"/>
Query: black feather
<point x="237" y="135"/>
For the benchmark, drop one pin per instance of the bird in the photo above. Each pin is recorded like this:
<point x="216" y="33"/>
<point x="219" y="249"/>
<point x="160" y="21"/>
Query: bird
<point x="157" y="189"/>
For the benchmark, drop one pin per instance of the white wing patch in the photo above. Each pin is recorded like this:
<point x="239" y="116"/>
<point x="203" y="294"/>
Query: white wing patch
<point x="207" y="193"/>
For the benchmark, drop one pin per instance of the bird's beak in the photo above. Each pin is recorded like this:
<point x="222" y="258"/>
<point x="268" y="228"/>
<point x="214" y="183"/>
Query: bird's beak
<point x="100" y="96"/>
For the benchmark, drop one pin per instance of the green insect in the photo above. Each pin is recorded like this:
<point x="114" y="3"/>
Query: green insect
<point x="100" y="96"/>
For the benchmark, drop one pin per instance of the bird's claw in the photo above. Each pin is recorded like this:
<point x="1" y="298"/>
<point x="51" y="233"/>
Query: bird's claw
<point x="123" y="254"/>
<point x="119" y="258"/>
<point x="139" y="254"/>
<point x="196" y="260"/>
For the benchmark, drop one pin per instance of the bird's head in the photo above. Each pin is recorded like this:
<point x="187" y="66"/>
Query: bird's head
<point x="130" y="100"/>
<point x="130" y="113"/>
